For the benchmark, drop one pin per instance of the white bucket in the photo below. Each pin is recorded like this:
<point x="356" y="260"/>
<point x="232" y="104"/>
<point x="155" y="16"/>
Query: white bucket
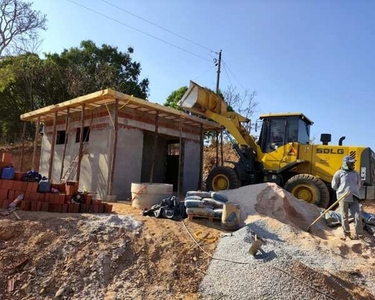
<point x="145" y="195"/>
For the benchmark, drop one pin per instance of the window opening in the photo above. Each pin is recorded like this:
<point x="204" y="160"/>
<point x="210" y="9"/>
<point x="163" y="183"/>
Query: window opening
<point x="60" y="137"/>
<point x="86" y="134"/>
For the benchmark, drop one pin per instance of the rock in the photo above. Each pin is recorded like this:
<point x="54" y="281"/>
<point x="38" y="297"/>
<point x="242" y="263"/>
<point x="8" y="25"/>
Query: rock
<point x="26" y="288"/>
<point x="60" y="291"/>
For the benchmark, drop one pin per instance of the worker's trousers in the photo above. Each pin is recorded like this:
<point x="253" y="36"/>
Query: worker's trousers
<point x="355" y="212"/>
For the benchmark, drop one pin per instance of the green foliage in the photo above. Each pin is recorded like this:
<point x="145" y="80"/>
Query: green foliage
<point x="175" y="97"/>
<point x="28" y="82"/>
<point x="90" y="68"/>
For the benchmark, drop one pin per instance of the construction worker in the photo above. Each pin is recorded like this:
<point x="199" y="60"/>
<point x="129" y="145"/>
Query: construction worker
<point x="347" y="180"/>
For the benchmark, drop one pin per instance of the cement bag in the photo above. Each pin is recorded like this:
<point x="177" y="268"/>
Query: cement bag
<point x="200" y="211"/>
<point x="219" y="197"/>
<point x="368" y="218"/>
<point x="193" y="198"/>
<point x="370" y="229"/>
<point x="198" y="193"/>
<point x="218" y="213"/>
<point x="332" y="218"/>
<point x="212" y="202"/>
<point x="195" y="203"/>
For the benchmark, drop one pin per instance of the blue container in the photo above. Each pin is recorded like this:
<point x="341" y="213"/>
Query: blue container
<point x="44" y="186"/>
<point x="8" y="173"/>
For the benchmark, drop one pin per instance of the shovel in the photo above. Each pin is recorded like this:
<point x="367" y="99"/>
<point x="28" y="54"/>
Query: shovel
<point x="329" y="208"/>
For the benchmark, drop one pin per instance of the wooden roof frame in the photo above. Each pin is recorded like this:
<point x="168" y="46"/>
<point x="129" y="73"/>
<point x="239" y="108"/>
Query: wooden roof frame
<point x="109" y="96"/>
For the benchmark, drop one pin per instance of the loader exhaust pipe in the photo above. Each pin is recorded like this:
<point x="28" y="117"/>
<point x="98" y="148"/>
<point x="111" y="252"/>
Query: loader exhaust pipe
<point x="341" y="139"/>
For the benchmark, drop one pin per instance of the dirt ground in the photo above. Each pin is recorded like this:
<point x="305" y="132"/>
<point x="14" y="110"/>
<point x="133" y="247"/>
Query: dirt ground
<point x="49" y="255"/>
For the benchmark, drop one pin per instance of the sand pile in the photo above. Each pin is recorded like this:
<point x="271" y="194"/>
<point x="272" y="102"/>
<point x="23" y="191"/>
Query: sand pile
<point x="271" y="200"/>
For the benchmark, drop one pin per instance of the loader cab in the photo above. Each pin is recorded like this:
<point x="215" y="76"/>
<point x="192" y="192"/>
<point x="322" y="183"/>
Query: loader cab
<point x="280" y="129"/>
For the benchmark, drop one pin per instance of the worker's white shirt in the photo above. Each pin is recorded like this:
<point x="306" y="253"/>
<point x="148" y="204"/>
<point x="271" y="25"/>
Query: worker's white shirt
<point x="344" y="181"/>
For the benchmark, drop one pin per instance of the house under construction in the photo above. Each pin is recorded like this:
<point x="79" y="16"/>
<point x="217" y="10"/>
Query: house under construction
<point x="107" y="140"/>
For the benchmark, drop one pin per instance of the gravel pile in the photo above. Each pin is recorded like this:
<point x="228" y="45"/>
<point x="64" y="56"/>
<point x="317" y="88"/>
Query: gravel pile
<point x="293" y="264"/>
<point x="260" y="277"/>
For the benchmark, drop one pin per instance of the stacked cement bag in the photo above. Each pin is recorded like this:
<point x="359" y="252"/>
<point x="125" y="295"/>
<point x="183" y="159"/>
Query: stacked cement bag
<point x="204" y="204"/>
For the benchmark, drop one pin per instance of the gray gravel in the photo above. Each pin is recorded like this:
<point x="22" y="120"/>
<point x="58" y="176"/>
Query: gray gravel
<point x="259" y="279"/>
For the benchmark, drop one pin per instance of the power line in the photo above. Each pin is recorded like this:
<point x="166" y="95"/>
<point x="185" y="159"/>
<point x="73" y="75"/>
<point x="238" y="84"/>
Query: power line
<point x="143" y="32"/>
<point x="234" y="76"/>
<point x="204" y="73"/>
<point x="158" y="26"/>
<point x="226" y="72"/>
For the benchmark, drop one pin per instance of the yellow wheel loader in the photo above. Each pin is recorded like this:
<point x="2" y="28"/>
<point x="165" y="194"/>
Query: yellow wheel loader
<point x="282" y="154"/>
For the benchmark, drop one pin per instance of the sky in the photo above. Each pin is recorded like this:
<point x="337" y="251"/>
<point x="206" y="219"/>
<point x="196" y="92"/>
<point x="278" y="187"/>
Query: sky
<point x="314" y="57"/>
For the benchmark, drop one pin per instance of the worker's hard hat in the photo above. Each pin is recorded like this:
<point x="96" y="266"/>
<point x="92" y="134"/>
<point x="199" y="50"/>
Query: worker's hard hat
<point x="348" y="159"/>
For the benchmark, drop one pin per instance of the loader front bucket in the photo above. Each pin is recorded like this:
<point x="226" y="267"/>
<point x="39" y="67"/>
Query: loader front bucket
<point x="198" y="99"/>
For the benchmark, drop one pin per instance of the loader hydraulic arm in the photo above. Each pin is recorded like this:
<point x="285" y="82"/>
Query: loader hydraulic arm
<point x="202" y="101"/>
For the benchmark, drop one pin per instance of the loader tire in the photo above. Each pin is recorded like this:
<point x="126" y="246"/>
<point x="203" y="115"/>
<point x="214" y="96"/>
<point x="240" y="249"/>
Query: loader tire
<point x="309" y="188"/>
<point x="222" y="178"/>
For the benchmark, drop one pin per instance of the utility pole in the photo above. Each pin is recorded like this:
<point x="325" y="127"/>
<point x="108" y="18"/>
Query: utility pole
<point x="217" y="134"/>
<point x="218" y="72"/>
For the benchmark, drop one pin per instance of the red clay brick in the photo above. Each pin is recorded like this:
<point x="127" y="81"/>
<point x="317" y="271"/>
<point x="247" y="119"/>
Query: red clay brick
<point x="7" y="184"/>
<point x="83" y="208"/>
<point x="24" y="186"/>
<point x="19" y="175"/>
<point x="27" y="205"/>
<point x="17" y="193"/>
<point x="76" y="208"/>
<point x="70" y="208"/>
<point x="17" y="185"/>
<point x="11" y="194"/>
<point x="108" y="208"/>
<point x="41" y="197"/>
<point x="58" y="208"/>
<point x="34" y="196"/>
<point x="27" y="196"/>
<point x="33" y="206"/>
<point x="32" y="187"/>
<point x="60" y="198"/>
<point x="45" y="206"/>
<point x="39" y="206"/>
<point x="88" y="199"/>
<point x="3" y="193"/>
<point x="51" y="207"/>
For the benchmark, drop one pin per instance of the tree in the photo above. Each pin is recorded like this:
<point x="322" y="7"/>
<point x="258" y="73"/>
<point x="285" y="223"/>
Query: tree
<point x="90" y="68"/>
<point x="28" y="82"/>
<point x="18" y="24"/>
<point x="175" y="97"/>
<point x="244" y="104"/>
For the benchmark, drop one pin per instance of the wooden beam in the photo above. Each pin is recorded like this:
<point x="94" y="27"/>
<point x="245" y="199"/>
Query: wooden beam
<point x="113" y="163"/>
<point x="65" y="142"/>
<point x="89" y="98"/>
<point x="23" y="144"/>
<point x="52" y="147"/>
<point x="179" y="161"/>
<point x="107" y="96"/>
<point x="154" y="148"/>
<point x="35" y="144"/>
<point x="201" y="151"/>
<point x="81" y="137"/>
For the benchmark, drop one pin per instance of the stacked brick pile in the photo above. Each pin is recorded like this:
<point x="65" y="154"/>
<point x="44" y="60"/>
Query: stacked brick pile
<point x="52" y="202"/>
<point x="60" y="201"/>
